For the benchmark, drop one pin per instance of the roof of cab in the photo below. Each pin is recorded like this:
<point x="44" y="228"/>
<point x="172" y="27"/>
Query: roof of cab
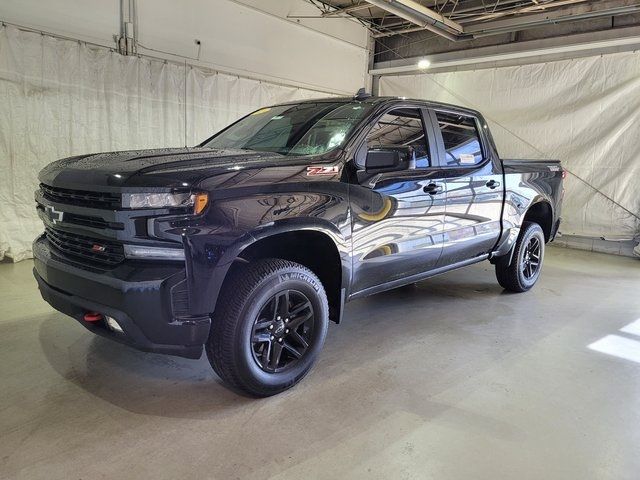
<point x="383" y="100"/>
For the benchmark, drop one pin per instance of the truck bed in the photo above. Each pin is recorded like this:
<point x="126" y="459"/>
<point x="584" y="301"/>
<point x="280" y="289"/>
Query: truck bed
<point x="516" y="165"/>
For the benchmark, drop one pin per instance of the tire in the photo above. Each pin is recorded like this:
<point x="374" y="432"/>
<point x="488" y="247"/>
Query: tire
<point x="520" y="275"/>
<point x="256" y="327"/>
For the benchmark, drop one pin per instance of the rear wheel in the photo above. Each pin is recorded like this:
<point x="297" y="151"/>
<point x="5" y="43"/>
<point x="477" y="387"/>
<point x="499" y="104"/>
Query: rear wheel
<point x="269" y="327"/>
<point x="524" y="270"/>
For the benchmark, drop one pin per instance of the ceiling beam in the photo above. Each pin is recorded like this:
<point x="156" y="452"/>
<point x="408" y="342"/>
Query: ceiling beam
<point x="421" y="16"/>
<point x="346" y="10"/>
<point x="471" y="21"/>
<point x="412" y="11"/>
<point x="521" y="9"/>
<point x="572" y="10"/>
<point x="534" y="51"/>
<point x="570" y="14"/>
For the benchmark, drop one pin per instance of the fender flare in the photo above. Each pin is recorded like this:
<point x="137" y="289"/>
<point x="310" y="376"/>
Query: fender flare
<point x="537" y="200"/>
<point x="502" y="254"/>
<point x="217" y="273"/>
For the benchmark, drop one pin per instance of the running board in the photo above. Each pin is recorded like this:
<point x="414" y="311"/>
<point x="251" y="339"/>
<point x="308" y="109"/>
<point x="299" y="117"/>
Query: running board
<point x="416" y="278"/>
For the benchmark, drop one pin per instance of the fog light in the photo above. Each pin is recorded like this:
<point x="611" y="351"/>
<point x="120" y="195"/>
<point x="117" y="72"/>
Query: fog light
<point x="153" y="253"/>
<point x="114" y="325"/>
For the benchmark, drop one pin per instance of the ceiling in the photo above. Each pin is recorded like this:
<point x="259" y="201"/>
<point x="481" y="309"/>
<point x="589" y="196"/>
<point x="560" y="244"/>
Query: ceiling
<point x="475" y="17"/>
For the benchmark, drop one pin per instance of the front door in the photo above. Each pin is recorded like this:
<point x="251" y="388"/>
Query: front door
<point x="397" y="217"/>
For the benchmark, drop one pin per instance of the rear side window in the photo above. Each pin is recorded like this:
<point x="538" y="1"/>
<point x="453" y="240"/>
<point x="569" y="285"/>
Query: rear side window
<point x="461" y="139"/>
<point x="402" y="127"/>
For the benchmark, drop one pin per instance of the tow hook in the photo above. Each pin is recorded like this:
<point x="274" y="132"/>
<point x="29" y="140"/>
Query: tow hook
<point x="92" y="317"/>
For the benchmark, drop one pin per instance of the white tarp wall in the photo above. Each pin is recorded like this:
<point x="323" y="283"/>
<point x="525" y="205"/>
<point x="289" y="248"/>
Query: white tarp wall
<point x="585" y="112"/>
<point x="250" y="38"/>
<point x="60" y="98"/>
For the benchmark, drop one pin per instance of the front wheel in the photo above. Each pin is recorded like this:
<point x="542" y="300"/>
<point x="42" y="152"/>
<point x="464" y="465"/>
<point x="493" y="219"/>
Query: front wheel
<point x="269" y="327"/>
<point x="524" y="270"/>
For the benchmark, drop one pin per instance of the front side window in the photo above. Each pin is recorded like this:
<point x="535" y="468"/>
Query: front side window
<point x="461" y="139"/>
<point x="311" y="128"/>
<point x="402" y="127"/>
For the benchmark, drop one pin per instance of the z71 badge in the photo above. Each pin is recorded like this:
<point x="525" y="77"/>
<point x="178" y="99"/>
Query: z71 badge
<point x="317" y="170"/>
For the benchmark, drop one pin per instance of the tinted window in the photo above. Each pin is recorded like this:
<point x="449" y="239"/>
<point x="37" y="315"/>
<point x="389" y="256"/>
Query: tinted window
<point x="461" y="139"/>
<point x="402" y="128"/>
<point x="303" y="129"/>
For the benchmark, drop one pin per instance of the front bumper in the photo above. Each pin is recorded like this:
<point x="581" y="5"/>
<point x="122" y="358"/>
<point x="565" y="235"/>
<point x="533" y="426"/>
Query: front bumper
<point x="147" y="299"/>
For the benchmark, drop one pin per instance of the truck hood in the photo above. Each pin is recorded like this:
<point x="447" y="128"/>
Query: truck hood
<point x="159" y="168"/>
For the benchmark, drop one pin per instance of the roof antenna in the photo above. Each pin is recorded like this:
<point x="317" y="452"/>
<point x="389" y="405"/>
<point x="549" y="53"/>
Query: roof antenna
<point x="362" y="95"/>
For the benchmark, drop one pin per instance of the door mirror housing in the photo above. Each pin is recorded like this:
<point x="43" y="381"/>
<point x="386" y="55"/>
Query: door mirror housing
<point x="387" y="159"/>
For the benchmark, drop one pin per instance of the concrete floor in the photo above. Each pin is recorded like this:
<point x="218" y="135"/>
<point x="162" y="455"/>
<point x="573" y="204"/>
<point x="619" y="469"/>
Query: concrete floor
<point x="447" y="379"/>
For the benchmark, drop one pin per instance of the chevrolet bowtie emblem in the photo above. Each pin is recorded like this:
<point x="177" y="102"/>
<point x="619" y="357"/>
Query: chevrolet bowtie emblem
<point x="54" y="215"/>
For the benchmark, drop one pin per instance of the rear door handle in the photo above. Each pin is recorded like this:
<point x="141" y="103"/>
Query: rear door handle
<point x="492" y="184"/>
<point x="432" y="189"/>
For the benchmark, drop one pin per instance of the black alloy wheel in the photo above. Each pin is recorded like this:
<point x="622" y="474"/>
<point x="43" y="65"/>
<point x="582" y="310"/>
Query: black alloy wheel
<point x="269" y="326"/>
<point x="520" y="270"/>
<point x="282" y="331"/>
<point x="530" y="263"/>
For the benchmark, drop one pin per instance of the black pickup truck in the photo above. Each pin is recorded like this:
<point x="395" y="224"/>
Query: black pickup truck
<point x="248" y="244"/>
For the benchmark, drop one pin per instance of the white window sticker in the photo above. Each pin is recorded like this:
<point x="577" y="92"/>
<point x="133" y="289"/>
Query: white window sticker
<point x="467" y="159"/>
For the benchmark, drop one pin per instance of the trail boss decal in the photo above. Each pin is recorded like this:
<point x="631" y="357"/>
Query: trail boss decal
<point x="322" y="170"/>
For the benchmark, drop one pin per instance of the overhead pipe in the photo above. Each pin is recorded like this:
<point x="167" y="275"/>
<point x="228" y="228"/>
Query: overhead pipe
<point x="501" y="26"/>
<point x="479" y="30"/>
<point x="423" y="17"/>
<point x="583" y="46"/>
<point x="127" y="42"/>
<point x="538" y="7"/>
<point x="341" y="11"/>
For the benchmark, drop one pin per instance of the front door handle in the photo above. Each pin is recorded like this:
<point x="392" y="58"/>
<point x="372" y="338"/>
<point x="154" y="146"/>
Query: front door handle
<point x="432" y="189"/>
<point x="492" y="184"/>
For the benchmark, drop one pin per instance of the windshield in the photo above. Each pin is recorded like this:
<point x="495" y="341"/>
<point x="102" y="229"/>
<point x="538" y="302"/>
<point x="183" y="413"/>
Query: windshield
<point x="302" y="129"/>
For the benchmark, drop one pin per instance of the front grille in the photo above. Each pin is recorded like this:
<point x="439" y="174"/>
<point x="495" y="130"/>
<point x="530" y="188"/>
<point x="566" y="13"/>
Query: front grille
<point x="85" y="221"/>
<point x="81" y="198"/>
<point x="93" y="222"/>
<point x="86" y="248"/>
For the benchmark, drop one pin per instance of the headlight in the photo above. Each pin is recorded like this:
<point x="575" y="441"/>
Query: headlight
<point x="165" y="200"/>
<point x="156" y="200"/>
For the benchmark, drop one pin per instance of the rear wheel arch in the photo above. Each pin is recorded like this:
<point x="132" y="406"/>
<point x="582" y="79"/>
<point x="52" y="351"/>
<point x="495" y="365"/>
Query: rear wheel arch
<point x="540" y="212"/>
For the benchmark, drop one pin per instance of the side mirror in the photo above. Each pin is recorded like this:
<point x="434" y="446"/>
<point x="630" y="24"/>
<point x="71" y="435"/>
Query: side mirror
<point x="387" y="159"/>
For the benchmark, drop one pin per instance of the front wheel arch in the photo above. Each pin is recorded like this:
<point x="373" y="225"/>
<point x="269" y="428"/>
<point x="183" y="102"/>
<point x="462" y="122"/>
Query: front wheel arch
<point x="314" y="249"/>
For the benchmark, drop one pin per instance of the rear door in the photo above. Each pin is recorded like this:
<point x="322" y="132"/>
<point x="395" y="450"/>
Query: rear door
<point x="397" y="217"/>
<point x="472" y="172"/>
